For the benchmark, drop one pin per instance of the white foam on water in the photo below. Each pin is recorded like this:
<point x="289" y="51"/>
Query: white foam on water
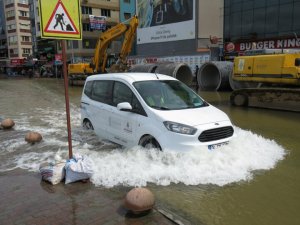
<point x="11" y="145"/>
<point x="237" y="161"/>
<point x="231" y="163"/>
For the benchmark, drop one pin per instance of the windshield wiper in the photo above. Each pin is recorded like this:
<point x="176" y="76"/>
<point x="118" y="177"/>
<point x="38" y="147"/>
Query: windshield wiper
<point x="161" y="108"/>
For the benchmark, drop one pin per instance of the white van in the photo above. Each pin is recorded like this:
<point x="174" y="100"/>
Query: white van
<point x="151" y="110"/>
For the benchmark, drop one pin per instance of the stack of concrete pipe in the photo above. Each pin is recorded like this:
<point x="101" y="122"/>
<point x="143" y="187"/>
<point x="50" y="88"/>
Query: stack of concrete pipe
<point x="180" y="71"/>
<point x="215" y="75"/>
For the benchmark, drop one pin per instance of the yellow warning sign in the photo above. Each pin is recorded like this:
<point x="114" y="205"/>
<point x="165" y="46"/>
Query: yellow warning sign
<point x="60" y="19"/>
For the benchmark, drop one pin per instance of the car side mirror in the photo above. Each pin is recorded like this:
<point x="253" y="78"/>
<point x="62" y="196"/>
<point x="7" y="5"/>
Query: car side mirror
<point x="124" y="106"/>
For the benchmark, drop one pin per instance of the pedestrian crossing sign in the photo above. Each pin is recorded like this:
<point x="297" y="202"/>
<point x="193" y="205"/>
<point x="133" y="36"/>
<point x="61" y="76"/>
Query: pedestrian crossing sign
<point x="60" y="19"/>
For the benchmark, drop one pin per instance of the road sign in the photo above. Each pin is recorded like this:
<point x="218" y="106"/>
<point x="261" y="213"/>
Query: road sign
<point x="60" y="19"/>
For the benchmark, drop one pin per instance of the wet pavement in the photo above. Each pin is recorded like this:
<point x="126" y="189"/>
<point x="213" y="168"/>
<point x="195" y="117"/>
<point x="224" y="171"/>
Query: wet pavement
<point x="26" y="199"/>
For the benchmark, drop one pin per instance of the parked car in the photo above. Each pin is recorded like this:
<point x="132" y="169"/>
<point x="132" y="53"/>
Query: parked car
<point x="151" y="110"/>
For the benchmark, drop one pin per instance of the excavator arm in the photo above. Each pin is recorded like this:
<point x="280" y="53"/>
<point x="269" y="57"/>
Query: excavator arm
<point x="100" y="55"/>
<point x="128" y="39"/>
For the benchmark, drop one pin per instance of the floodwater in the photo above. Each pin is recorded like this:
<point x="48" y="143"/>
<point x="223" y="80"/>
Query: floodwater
<point x="255" y="179"/>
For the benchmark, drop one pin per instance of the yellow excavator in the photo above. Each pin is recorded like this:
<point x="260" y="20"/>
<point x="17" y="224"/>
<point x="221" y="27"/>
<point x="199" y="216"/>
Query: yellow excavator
<point x="78" y="72"/>
<point x="267" y="79"/>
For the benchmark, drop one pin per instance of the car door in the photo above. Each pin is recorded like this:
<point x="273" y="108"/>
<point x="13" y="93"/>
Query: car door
<point x="124" y="125"/>
<point x="101" y="99"/>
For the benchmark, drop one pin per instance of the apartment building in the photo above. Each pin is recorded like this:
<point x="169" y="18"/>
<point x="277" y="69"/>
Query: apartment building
<point x="17" y="29"/>
<point x="20" y="35"/>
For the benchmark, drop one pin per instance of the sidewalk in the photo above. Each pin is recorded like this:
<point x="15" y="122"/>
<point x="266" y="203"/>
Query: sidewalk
<point x="26" y="199"/>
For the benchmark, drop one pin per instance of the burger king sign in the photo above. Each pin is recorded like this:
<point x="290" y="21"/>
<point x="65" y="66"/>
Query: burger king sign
<point x="230" y="47"/>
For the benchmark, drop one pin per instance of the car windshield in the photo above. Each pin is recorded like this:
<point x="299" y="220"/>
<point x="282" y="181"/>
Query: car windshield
<point x="168" y="95"/>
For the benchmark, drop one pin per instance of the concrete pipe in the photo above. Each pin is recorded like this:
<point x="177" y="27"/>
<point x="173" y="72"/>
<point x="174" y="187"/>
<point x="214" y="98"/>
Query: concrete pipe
<point x="213" y="76"/>
<point x="146" y="68"/>
<point x="180" y="71"/>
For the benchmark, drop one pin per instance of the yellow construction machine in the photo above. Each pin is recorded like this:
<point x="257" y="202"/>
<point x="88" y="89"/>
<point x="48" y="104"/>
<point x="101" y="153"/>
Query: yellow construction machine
<point x="79" y="71"/>
<point x="267" y="79"/>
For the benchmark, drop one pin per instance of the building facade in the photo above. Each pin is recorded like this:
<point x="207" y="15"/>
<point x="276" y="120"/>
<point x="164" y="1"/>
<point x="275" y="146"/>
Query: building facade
<point x="21" y="41"/>
<point x="260" y="24"/>
<point x="182" y="31"/>
<point x="16" y="30"/>
<point x="191" y="31"/>
<point x="127" y="9"/>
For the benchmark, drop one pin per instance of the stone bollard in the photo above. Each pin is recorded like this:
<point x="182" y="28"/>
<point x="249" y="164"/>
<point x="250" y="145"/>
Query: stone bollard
<point x="139" y="200"/>
<point x="7" y="123"/>
<point x="33" y="137"/>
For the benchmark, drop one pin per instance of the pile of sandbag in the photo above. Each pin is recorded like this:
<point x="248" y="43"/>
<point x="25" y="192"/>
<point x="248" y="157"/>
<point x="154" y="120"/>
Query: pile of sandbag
<point x="75" y="169"/>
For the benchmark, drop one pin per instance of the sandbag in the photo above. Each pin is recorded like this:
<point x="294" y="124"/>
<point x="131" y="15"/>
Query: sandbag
<point x="54" y="173"/>
<point x="78" y="168"/>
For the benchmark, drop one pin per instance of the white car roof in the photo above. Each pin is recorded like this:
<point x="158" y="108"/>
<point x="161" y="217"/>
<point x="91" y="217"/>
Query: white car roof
<point x="130" y="77"/>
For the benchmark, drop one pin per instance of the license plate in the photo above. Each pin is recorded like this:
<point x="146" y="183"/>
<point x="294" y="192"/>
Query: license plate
<point x="215" y="146"/>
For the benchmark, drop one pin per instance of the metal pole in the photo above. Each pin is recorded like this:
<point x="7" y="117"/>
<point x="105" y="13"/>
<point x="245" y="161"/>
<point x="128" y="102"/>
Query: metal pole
<point x="64" y="57"/>
<point x="72" y="52"/>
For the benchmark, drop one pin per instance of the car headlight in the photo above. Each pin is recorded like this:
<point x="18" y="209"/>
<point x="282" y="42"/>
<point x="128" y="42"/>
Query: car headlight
<point x="180" y="128"/>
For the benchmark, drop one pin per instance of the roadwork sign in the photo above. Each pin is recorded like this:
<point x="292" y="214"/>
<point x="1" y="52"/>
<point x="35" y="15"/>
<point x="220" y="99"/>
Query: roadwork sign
<point x="60" y="19"/>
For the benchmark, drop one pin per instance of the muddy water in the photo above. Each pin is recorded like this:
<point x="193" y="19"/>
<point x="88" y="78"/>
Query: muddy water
<point x="253" y="180"/>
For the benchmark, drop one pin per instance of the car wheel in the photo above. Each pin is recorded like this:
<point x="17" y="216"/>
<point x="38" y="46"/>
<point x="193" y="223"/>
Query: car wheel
<point x="87" y="125"/>
<point x="149" y="142"/>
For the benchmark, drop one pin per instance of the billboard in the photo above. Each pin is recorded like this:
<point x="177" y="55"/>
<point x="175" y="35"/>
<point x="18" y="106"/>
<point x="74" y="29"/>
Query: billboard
<point x="98" y="22"/>
<point x="165" y="20"/>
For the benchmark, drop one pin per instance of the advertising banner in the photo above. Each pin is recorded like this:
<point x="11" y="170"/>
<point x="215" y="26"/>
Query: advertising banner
<point x="97" y="22"/>
<point x="165" y="20"/>
<point x="263" y="44"/>
<point x="17" y="61"/>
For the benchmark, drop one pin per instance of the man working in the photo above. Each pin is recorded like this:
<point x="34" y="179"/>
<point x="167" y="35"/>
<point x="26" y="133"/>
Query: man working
<point x="59" y="20"/>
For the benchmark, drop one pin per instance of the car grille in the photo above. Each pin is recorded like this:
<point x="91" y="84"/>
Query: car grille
<point x="216" y="134"/>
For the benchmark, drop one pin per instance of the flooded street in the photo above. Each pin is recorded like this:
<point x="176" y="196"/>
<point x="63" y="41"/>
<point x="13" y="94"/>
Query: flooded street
<point x="255" y="179"/>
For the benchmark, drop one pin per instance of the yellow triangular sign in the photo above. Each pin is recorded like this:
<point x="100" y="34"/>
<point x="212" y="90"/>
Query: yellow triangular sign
<point x="60" y="21"/>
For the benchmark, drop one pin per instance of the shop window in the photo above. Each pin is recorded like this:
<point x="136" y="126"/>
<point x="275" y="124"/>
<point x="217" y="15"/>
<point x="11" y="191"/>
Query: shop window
<point x="89" y="43"/>
<point x="105" y="12"/>
<point x="23" y="13"/>
<point x="11" y="26"/>
<point x="26" y="50"/>
<point x="26" y="38"/>
<point x="86" y="10"/>
<point x="86" y="27"/>
<point x="12" y="40"/>
<point x="13" y="51"/>
<point x="127" y="16"/>
<point x="72" y="44"/>
<point x="10" y="13"/>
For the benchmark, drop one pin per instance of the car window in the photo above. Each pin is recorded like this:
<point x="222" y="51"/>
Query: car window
<point x="88" y="88"/>
<point x="122" y="93"/>
<point x="101" y="91"/>
<point x="168" y="95"/>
